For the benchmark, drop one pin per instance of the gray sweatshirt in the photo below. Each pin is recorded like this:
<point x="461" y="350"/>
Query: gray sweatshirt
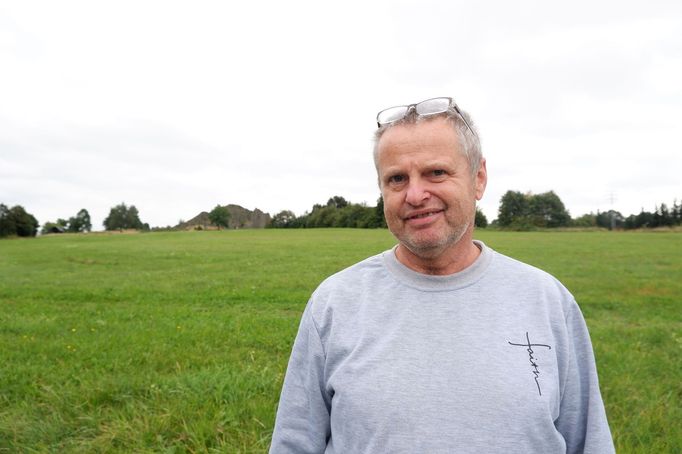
<point x="493" y="359"/>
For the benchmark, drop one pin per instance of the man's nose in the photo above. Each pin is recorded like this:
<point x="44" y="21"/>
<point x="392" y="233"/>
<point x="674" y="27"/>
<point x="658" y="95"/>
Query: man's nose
<point x="417" y="192"/>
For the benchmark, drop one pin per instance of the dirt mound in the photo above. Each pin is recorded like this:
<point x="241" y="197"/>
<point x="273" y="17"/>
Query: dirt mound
<point x="240" y="218"/>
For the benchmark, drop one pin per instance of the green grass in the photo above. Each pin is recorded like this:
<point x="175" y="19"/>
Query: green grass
<point x="177" y="342"/>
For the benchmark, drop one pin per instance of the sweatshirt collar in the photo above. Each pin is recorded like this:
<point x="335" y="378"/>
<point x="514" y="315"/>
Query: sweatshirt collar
<point x="428" y="282"/>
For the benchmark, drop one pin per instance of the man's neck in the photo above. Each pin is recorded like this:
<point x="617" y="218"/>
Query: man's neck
<point x="453" y="260"/>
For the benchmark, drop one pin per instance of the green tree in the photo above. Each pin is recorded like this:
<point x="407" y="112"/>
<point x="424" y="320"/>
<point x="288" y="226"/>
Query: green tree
<point x="644" y="219"/>
<point x="354" y="215"/>
<point x="337" y="212"/>
<point x="666" y="218"/>
<point x="337" y="202"/>
<point x="480" y="220"/>
<point x="610" y="219"/>
<point x="527" y="211"/>
<point x="513" y="207"/>
<point x="133" y="218"/>
<point x="122" y="217"/>
<point x="547" y="210"/>
<point x="7" y="226"/>
<point x="16" y="221"/>
<point x="323" y="216"/>
<point x="219" y="216"/>
<point x="282" y="220"/>
<point x="80" y="222"/>
<point x="116" y="220"/>
<point x="377" y="220"/>
<point x="586" y="220"/>
<point x="676" y="212"/>
<point x="630" y="222"/>
<point x="27" y="225"/>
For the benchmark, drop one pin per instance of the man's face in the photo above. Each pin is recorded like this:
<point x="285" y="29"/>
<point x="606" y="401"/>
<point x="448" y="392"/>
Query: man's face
<point x="429" y="193"/>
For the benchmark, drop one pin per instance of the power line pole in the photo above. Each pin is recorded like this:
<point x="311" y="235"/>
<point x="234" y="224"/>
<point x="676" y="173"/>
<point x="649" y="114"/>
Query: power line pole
<point x="612" y="199"/>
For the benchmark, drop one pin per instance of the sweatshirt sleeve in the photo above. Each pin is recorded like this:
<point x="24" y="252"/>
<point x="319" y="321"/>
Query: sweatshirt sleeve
<point x="582" y="419"/>
<point x="302" y="423"/>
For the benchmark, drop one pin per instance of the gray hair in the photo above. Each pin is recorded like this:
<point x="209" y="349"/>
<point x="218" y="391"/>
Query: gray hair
<point x="469" y="142"/>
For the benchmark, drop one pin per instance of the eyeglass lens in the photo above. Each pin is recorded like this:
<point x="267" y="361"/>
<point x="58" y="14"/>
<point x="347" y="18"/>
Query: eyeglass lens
<point x="392" y="114"/>
<point x="428" y="107"/>
<point x="433" y="106"/>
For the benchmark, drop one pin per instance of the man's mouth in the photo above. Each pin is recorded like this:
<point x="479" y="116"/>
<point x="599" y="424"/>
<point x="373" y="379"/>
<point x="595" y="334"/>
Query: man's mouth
<point x="423" y="215"/>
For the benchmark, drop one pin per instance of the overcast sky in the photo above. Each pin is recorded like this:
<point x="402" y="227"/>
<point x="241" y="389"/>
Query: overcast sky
<point x="178" y="106"/>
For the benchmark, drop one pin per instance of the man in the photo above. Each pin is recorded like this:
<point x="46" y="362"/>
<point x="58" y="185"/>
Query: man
<point x="440" y="345"/>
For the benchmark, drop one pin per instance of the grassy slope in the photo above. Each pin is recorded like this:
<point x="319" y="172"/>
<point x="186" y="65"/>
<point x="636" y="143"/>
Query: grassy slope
<point x="178" y="341"/>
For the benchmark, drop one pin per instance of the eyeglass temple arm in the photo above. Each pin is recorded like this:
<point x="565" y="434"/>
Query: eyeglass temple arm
<point x="459" y="112"/>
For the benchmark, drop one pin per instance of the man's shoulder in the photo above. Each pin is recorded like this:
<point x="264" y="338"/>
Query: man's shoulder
<point x="514" y="265"/>
<point x="354" y="275"/>
<point x="340" y="297"/>
<point x="529" y="286"/>
<point x="521" y="273"/>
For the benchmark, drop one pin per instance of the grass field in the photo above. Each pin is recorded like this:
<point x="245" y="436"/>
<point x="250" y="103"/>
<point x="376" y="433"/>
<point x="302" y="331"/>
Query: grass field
<point x="177" y="342"/>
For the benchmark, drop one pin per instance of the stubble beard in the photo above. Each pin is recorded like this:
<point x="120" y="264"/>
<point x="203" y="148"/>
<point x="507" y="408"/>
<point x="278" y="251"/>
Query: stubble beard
<point x="430" y="249"/>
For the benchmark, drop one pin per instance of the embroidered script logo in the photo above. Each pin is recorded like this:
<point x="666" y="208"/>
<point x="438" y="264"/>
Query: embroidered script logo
<point x="529" y="348"/>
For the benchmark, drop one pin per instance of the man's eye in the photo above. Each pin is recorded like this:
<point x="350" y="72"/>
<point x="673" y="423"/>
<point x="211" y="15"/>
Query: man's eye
<point x="438" y="173"/>
<point x="396" y="179"/>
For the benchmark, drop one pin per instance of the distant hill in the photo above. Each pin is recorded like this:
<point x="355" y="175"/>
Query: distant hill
<point x="240" y="218"/>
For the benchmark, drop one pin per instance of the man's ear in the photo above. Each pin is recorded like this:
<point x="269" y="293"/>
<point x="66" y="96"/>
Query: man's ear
<point x="481" y="180"/>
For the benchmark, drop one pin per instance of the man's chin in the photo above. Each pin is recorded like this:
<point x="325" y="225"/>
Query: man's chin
<point x="425" y="249"/>
<point x="431" y="247"/>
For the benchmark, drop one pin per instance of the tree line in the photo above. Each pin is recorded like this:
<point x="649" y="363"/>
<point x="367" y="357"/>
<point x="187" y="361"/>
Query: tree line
<point x="517" y="211"/>
<point x="16" y="221"/>
<point x="78" y="223"/>
<point x="662" y="216"/>
<point x="339" y="212"/>
<point x="527" y="211"/>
